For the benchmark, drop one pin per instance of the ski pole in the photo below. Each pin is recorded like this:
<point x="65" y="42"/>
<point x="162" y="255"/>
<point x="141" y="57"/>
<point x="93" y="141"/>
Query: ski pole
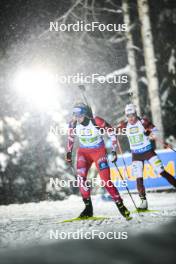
<point x="126" y="187"/>
<point x="73" y="171"/>
<point x="120" y="149"/>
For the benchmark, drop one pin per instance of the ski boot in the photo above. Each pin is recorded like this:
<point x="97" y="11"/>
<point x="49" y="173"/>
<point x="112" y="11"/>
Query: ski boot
<point x="143" y="205"/>
<point x="123" y="210"/>
<point x="88" y="211"/>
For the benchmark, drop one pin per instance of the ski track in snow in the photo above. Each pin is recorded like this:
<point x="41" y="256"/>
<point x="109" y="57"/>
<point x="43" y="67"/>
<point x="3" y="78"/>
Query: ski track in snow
<point x="30" y="224"/>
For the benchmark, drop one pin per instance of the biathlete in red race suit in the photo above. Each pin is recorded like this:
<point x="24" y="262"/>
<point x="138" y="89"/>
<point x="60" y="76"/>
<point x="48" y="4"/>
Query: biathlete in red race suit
<point x="140" y="132"/>
<point x="92" y="149"/>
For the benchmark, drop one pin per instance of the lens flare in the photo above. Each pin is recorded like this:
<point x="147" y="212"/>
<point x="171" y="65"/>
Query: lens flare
<point x="38" y="86"/>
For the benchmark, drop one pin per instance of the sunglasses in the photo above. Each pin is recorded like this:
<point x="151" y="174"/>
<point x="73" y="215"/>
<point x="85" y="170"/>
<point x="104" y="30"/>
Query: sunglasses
<point x="131" y="115"/>
<point x="77" y="115"/>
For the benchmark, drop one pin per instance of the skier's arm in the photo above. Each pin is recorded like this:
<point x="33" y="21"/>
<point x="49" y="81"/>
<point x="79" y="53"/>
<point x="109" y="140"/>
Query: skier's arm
<point x="70" y="141"/>
<point x="101" y="123"/>
<point x="150" y="128"/>
<point x="121" y="128"/>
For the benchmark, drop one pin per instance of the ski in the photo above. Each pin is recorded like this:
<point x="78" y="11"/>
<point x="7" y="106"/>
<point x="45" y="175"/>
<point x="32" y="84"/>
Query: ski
<point x="94" y="218"/>
<point x="144" y="211"/>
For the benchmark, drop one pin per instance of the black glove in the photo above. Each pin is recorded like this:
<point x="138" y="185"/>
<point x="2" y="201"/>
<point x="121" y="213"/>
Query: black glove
<point x="68" y="157"/>
<point x="114" y="156"/>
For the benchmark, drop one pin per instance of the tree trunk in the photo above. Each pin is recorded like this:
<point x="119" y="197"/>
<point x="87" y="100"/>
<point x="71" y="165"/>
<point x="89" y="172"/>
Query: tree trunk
<point x="131" y="57"/>
<point x="151" y="72"/>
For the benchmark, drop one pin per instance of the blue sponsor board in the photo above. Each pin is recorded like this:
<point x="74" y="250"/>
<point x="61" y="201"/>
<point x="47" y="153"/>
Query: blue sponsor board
<point x="152" y="180"/>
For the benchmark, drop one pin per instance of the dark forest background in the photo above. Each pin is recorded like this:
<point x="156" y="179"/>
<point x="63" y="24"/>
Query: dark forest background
<point x="29" y="153"/>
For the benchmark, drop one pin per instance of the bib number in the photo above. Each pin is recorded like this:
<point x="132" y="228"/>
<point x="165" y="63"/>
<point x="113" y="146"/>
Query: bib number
<point x="136" y="139"/>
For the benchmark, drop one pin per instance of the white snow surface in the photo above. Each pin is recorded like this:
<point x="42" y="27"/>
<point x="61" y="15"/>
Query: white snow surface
<point x="31" y="223"/>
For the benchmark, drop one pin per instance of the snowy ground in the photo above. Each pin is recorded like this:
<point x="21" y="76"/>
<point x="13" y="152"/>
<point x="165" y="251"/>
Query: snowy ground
<point x="31" y="224"/>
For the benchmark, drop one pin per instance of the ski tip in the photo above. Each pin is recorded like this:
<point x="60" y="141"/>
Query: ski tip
<point x="94" y="218"/>
<point x="144" y="211"/>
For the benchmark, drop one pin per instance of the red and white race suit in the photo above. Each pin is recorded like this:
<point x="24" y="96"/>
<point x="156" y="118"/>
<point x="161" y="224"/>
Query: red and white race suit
<point x="92" y="149"/>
